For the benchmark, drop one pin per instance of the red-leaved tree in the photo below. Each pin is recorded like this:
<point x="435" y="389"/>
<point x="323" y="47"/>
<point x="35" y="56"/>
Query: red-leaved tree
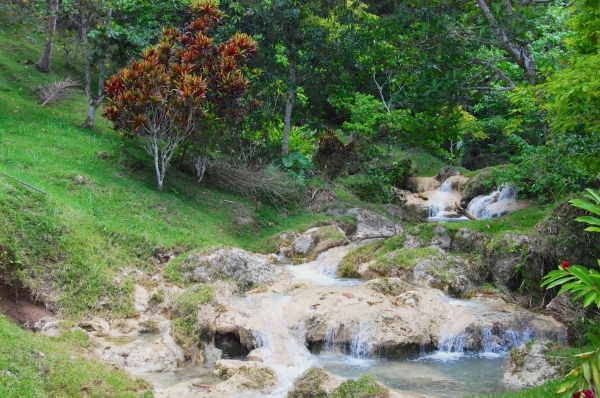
<point x="181" y="89"/>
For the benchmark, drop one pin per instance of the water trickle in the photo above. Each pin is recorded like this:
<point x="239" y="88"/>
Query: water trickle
<point x="499" y="343"/>
<point x="362" y="345"/>
<point x="497" y="203"/>
<point x="451" y="347"/>
<point x="323" y="270"/>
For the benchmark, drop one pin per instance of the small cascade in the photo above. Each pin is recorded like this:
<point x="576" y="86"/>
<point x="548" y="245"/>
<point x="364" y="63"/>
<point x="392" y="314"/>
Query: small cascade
<point x="323" y="270"/>
<point x="360" y="347"/>
<point x="439" y="203"/>
<point x="496" y="344"/>
<point x="499" y="343"/>
<point x="451" y="347"/>
<point x="497" y="203"/>
<point x="452" y="342"/>
<point x="442" y="202"/>
<point x="282" y="350"/>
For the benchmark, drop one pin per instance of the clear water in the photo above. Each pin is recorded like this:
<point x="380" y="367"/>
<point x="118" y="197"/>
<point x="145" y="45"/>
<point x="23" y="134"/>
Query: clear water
<point x="439" y="374"/>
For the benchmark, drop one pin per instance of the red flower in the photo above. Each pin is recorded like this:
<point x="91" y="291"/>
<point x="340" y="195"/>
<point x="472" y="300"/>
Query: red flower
<point x="583" y="393"/>
<point x="565" y="264"/>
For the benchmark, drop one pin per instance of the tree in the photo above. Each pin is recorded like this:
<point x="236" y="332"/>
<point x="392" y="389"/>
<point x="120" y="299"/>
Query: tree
<point x="180" y="89"/>
<point x="43" y="63"/>
<point x="289" y="45"/>
<point x="92" y="20"/>
<point x="158" y="101"/>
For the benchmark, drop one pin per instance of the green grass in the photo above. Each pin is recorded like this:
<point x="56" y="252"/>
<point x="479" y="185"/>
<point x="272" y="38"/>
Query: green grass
<point x="364" y="387"/>
<point x="404" y="258"/>
<point x="186" y="330"/>
<point x="349" y="265"/>
<point x="521" y="222"/>
<point x="547" y="390"/>
<point x="38" y="366"/>
<point x="79" y="238"/>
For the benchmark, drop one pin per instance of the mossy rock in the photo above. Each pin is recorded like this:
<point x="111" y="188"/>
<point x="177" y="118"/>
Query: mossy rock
<point x="308" y="384"/>
<point x="481" y="184"/>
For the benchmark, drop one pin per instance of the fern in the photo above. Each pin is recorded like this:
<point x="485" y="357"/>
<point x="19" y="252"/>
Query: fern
<point x="57" y="90"/>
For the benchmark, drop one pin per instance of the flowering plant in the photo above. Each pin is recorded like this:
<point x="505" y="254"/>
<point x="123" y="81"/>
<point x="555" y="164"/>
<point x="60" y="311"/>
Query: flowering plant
<point x="582" y="282"/>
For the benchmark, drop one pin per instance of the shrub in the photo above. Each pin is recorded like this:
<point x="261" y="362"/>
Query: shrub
<point x="332" y="155"/>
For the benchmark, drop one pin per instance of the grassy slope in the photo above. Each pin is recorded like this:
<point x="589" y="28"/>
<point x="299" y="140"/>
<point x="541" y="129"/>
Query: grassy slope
<point x="115" y="219"/>
<point x="72" y="244"/>
<point x="37" y="366"/>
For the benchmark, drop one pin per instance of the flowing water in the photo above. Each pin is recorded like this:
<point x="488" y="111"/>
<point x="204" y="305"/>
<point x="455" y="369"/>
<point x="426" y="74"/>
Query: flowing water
<point x="449" y="371"/>
<point x="497" y="203"/>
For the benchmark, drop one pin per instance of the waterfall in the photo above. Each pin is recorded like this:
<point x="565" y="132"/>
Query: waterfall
<point x="441" y="200"/>
<point x="497" y="203"/>
<point x="498" y="343"/>
<point x="360" y="346"/>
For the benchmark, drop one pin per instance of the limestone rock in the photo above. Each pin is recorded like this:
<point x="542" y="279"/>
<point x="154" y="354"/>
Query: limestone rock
<point x="389" y="286"/>
<point x="444" y="273"/>
<point x="244" y="268"/>
<point x="445" y="172"/>
<point x="304" y="243"/>
<point x="442" y="238"/>
<point x="140" y="357"/>
<point x="529" y="366"/>
<point x="47" y="325"/>
<point x="96" y="324"/>
<point x="246" y="375"/>
<point x="371" y="225"/>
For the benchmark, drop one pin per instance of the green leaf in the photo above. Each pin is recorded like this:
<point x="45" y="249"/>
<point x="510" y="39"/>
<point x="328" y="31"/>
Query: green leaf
<point x="593" y="339"/>
<point x="589" y="299"/>
<point x="587" y="372"/>
<point x="558" y="282"/>
<point x="584" y="355"/>
<point x="588" y="220"/>
<point x="585" y="205"/>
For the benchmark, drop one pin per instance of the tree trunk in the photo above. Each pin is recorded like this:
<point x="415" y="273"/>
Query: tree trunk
<point x="160" y="175"/>
<point x="289" y="106"/>
<point x="201" y="161"/>
<point x="94" y="101"/>
<point x="43" y="64"/>
<point x="518" y="53"/>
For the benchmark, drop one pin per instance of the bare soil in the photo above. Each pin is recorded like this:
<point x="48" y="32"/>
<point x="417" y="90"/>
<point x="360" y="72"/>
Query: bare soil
<point x="20" y="307"/>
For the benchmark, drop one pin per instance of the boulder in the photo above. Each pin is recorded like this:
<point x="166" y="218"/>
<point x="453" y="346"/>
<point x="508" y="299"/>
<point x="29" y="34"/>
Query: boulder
<point x="445" y="273"/>
<point x="315" y="382"/>
<point x="305" y="243"/>
<point x="95" y="324"/>
<point x="246" y="375"/>
<point x="372" y="225"/>
<point x="529" y="366"/>
<point x="244" y="268"/>
<point x="445" y="172"/>
<point x="140" y="357"/>
<point x="316" y="240"/>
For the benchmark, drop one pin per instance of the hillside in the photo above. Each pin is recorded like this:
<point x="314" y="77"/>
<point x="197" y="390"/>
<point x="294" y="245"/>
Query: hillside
<point x="82" y="226"/>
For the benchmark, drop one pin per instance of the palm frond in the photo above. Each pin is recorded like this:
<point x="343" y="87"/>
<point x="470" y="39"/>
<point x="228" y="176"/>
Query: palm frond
<point x="57" y="90"/>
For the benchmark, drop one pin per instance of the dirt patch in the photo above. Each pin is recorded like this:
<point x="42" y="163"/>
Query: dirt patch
<point x="19" y="307"/>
